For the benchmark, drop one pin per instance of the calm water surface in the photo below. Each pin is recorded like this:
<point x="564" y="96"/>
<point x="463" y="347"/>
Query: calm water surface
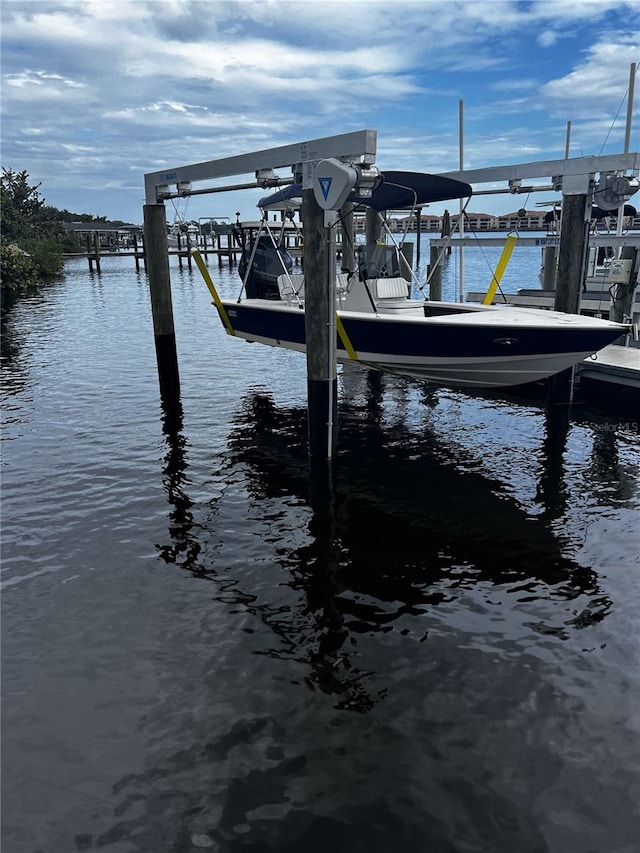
<point x="208" y="646"/>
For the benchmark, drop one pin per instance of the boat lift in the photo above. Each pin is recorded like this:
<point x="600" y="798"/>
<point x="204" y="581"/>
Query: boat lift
<point x="352" y="158"/>
<point x="610" y="179"/>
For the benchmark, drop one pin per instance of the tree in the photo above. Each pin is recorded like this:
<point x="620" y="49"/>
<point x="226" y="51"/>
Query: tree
<point x="31" y="236"/>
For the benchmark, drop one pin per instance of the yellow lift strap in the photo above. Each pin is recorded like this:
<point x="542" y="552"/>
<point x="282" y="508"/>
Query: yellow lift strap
<point x="197" y="257"/>
<point x="505" y="257"/>
<point x="344" y="337"/>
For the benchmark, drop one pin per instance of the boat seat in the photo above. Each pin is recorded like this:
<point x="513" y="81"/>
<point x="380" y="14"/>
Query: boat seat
<point x="291" y="286"/>
<point x="390" y="288"/>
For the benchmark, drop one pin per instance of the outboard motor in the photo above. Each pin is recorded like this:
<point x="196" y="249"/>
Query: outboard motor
<point x="376" y="261"/>
<point x="269" y="262"/>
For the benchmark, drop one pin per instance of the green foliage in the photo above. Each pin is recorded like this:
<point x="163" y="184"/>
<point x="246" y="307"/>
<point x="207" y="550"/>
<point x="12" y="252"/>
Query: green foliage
<point x="31" y="236"/>
<point x="46" y="256"/>
<point x="17" y="270"/>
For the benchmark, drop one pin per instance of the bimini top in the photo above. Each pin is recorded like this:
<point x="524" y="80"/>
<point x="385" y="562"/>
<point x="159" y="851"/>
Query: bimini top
<point x="396" y="191"/>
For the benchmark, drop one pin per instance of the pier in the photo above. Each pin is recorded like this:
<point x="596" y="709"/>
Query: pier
<point x="228" y="250"/>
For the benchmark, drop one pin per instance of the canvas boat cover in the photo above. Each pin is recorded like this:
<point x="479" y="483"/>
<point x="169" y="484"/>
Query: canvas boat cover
<point x="396" y="191"/>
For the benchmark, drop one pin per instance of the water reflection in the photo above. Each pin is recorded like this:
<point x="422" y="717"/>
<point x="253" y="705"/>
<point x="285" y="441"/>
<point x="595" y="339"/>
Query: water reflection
<point x="184" y="548"/>
<point x="552" y="490"/>
<point x="398" y="526"/>
<point x="395" y="530"/>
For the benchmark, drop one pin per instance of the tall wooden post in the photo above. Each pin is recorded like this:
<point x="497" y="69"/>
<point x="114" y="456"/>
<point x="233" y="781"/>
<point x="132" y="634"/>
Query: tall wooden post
<point x="405" y="261"/>
<point x="373" y="226"/>
<point x="320" y="330"/>
<point x="157" y="258"/>
<point x="179" y="250"/>
<point x="348" y="238"/>
<point x="574" y="241"/>
<point x="446" y="228"/>
<point x="572" y="253"/>
<point x="549" y="255"/>
<point x="435" y="274"/>
<point x="418" y="234"/>
<point x="89" y="254"/>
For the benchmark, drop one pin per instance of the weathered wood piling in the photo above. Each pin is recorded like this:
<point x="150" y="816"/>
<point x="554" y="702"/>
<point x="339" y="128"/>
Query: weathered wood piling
<point x="319" y="281"/>
<point x="155" y="233"/>
<point x="572" y="253"/>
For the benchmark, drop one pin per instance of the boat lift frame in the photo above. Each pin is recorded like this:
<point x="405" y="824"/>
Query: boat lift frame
<point x="356" y="148"/>
<point x="359" y="146"/>
<point x="574" y="177"/>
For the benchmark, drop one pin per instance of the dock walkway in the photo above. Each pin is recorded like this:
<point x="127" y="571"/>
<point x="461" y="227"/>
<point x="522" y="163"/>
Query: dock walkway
<point x="613" y="364"/>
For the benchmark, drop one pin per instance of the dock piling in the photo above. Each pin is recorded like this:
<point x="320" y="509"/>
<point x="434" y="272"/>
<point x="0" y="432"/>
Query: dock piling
<point x="157" y="258"/>
<point x="574" y="236"/>
<point x="348" y="259"/>
<point x="319" y="283"/>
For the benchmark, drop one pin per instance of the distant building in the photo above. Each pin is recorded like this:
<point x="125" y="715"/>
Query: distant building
<point x="109" y="234"/>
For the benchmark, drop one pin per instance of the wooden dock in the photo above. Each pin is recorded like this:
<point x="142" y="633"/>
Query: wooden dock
<point x="95" y="253"/>
<point x="613" y="374"/>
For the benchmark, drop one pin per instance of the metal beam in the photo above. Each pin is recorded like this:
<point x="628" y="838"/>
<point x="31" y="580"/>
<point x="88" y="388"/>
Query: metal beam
<point x="359" y="146"/>
<point x="549" y="169"/>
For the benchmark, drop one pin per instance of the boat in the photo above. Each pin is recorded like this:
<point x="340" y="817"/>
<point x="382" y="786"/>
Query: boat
<point x="380" y="325"/>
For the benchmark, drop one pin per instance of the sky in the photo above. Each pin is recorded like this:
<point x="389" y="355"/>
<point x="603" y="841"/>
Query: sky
<point x="95" y="94"/>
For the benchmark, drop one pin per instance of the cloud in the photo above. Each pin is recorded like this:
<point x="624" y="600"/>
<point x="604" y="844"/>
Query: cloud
<point x="96" y="94"/>
<point x="547" y="38"/>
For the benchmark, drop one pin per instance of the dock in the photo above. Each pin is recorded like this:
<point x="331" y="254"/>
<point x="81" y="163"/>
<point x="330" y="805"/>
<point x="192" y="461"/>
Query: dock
<point x="611" y="376"/>
<point x="229" y="249"/>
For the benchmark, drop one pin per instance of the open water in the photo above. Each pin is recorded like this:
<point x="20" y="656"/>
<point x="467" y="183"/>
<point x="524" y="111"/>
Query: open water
<point x="206" y="646"/>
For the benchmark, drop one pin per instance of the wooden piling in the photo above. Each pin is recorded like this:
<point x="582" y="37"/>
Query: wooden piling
<point x="348" y="260"/>
<point x="574" y="233"/>
<point x="179" y="250"/>
<point x="549" y="267"/>
<point x="446" y="228"/>
<point x="93" y="252"/>
<point x="435" y="274"/>
<point x="373" y="226"/>
<point x="157" y="257"/>
<point x="135" y="253"/>
<point x="406" y="261"/>
<point x="320" y="331"/>
<point x="572" y="253"/>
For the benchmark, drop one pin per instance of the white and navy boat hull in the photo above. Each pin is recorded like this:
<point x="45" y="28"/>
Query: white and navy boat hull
<point x="481" y="346"/>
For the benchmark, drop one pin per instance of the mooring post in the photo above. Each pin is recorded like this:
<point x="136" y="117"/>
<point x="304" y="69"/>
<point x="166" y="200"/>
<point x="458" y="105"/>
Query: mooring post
<point x="435" y="274"/>
<point x="319" y="315"/>
<point x="179" y="251"/>
<point x="348" y="260"/>
<point x="96" y="250"/>
<point x="406" y="261"/>
<point x="549" y="267"/>
<point x="574" y="240"/>
<point x="446" y="228"/>
<point x="373" y="226"/>
<point x="157" y="256"/>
